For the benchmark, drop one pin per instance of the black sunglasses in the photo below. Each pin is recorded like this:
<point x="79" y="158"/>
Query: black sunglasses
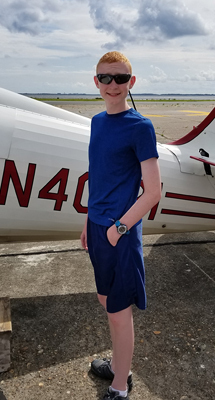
<point x="106" y="79"/>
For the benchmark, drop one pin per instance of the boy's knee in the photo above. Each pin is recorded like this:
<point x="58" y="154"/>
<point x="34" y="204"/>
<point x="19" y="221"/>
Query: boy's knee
<point x="121" y="318"/>
<point x="102" y="299"/>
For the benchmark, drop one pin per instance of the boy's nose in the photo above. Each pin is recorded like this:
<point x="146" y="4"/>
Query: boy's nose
<point x="113" y="83"/>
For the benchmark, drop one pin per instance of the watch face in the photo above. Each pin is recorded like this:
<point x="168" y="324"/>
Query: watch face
<point x="122" y="229"/>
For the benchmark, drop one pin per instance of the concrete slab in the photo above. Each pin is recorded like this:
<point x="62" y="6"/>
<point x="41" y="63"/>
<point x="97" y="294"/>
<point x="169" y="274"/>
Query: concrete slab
<point x="59" y="327"/>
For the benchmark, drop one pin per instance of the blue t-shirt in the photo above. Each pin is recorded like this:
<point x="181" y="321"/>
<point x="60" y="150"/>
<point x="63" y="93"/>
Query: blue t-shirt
<point x="118" y="143"/>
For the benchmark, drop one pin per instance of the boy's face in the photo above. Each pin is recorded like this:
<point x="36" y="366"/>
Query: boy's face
<point x="114" y="94"/>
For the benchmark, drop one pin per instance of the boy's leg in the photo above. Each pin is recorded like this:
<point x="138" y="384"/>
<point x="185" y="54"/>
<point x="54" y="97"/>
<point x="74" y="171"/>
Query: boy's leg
<point x="122" y="335"/>
<point x="121" y="322"/>
<point x="102" y="300"/>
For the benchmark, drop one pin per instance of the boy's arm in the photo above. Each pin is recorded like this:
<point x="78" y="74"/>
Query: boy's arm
<point x="84" y="235"/>
<point x="150" y="197"/>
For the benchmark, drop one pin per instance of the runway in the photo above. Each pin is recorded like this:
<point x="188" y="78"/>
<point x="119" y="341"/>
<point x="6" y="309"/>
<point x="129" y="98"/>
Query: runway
<point x="171" y="120"/>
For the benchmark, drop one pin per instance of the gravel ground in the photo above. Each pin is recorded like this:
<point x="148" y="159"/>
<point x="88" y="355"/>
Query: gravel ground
<point x="59" y="327"/>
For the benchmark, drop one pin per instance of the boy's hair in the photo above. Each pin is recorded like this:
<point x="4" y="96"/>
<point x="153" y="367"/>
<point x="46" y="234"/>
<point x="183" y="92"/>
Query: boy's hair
<point x="112" y="57"/>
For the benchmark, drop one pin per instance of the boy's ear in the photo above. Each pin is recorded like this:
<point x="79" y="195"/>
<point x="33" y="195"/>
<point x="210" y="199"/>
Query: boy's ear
<point x="132" y="81"/>
<point x="96" y="81"/>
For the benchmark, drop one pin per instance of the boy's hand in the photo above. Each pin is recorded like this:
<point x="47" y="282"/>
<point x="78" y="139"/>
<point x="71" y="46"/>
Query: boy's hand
<point x="84" y="238"/>
<point x="112" y="235"/>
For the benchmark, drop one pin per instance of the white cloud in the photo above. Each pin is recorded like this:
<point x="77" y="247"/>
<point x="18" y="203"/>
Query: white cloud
<point x="158" y="76"/>
<point x="154" y="20"/>
<point x="165" y="19"/>
<point x="54" y="45"/>
<point x="208" y="75"/>
<point x="30" y="17"/>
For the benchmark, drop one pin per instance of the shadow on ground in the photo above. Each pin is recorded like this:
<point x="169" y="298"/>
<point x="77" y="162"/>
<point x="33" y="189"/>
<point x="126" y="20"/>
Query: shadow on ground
<point x="174" y="351"/>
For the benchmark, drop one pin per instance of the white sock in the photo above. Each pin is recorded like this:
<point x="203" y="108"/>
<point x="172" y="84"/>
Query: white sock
<point x="122" y="393"/>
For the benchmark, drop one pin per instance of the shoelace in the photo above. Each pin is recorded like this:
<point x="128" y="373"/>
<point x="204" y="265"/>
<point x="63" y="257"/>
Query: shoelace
<point x="111" y="395"/>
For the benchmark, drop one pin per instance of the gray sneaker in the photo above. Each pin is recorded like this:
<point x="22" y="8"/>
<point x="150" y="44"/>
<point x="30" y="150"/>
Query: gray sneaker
<point x="2" y="396"/>
<point x="102" y="369"/>
<point x="112" y="395"/>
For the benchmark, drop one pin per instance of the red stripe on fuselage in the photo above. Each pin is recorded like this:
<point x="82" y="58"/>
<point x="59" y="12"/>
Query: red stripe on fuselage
<point x="189" y="197"/>
<point x="196" y="131"/>
<point x="203" y="160"/>
<point x="187" y="214"/>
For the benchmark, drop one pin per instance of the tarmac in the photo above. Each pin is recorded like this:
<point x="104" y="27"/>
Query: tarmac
<point x="58" y="326"/>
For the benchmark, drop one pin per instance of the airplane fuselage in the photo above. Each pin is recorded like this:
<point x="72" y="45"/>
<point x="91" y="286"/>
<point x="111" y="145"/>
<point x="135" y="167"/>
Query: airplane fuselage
<point x="44" y="190"/>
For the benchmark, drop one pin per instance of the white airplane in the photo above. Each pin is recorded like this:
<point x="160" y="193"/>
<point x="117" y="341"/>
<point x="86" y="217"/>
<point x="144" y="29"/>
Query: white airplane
<point x="44" y="173"/>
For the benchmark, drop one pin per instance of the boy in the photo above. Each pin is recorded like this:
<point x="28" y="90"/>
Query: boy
<point x="122" y="149"/>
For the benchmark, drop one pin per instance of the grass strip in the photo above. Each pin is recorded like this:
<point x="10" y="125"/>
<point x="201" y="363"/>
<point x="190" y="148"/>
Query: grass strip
<point x="135" y="100"/>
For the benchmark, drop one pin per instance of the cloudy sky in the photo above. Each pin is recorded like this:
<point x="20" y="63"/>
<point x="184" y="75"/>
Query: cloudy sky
<point x="53" y="45"/>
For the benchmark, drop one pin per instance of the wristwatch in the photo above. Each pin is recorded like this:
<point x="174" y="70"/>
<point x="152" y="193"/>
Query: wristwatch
<point x="122" y="229"/>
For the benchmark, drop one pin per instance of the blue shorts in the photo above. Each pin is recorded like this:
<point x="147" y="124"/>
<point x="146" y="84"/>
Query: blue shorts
<point x="119" y="271"/>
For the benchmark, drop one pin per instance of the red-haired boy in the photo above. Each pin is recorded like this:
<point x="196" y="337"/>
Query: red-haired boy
<point x="122" y="150"/>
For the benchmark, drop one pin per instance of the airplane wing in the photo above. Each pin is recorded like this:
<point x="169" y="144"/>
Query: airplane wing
<point x="16" y="100"/>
